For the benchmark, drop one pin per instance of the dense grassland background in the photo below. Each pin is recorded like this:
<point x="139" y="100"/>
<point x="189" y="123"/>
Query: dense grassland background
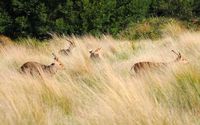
<point x="103" y="92"/>
<point x="155" y="28"/>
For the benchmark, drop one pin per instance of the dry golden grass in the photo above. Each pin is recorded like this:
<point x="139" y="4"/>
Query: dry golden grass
<point x="99" y="93"/>
<point x="174" y="28"/>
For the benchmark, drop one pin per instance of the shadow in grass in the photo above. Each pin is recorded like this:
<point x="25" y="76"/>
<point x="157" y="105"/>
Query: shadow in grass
<point x="187" y="90"/>
<point x="52" y="99"/>
<point x="181" y="94"/>
<point x="122" y="56"/>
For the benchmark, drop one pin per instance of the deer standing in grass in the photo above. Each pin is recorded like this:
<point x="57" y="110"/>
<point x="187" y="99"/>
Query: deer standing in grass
<point x="35" y="68"/>
<point x="69" y="49"/>
<point x="143" y="66"/>
<point x="94" y="54"/>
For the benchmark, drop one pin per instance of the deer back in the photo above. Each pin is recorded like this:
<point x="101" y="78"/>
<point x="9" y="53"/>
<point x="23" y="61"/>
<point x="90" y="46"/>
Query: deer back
<point x="32" y="68"/>
<point x="137" y="67"/>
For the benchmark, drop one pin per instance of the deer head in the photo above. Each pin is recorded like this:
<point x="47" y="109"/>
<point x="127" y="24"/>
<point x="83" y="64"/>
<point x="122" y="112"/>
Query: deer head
<point x="95" y="51"/>
<point x="57" y="62"/>
<point x="94" y="54"/>
<point x="179" y="57"/>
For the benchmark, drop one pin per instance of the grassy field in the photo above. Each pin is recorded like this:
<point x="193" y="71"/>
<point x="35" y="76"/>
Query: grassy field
<point x="102" y="92"/>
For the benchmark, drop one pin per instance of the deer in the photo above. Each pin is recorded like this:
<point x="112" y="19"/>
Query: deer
<point x="143" y="66"/>
<point x="4" y="40"/>
<point x="68" y="50"/>
<point x="94" y="55"/>
<point x="35" y="68"/>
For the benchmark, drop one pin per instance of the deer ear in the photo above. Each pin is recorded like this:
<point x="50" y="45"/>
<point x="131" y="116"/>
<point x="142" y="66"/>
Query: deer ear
<point x="55" y="57"/>
<point x="90" y="51"/>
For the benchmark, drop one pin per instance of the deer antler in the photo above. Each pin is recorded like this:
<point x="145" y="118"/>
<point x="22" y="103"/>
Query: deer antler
<point x="55" y="57"/>
<point x="71" y="43"/>
<point x="176" y="53"/>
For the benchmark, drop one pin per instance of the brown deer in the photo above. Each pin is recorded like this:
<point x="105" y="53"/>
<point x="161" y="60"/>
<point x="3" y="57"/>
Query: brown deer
<point x="35" y="68"/>
<point x="142" y="66"/>
<point x="4" y="40"/>
<point x="69" y="49"/>
<point x="94" y="55"/>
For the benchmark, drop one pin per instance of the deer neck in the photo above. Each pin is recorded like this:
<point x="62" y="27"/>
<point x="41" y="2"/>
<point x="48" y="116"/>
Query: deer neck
<point x="51" y="68"/>
<point x="174" y="61"/>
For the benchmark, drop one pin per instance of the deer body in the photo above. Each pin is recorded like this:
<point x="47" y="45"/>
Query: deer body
<point x="143" y="66"/>
<point x="4" y="40"/>
<point x="34" y="68"/>
<point x="147" y="65"/>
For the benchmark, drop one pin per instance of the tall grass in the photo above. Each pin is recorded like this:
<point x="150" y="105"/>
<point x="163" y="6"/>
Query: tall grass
<point x="99" y="93"/>
<point x="156" y="27"/>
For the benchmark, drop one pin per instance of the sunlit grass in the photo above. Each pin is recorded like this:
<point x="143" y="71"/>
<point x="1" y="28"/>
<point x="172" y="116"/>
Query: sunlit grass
<point x="102" y="92"/>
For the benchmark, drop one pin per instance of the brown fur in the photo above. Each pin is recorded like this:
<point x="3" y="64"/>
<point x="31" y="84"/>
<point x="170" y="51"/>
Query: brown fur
<point x="35" y="68"/>
<point x="4" y="40"/>
<point x="146" y="65"/>
<point x="143" y="66"/>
